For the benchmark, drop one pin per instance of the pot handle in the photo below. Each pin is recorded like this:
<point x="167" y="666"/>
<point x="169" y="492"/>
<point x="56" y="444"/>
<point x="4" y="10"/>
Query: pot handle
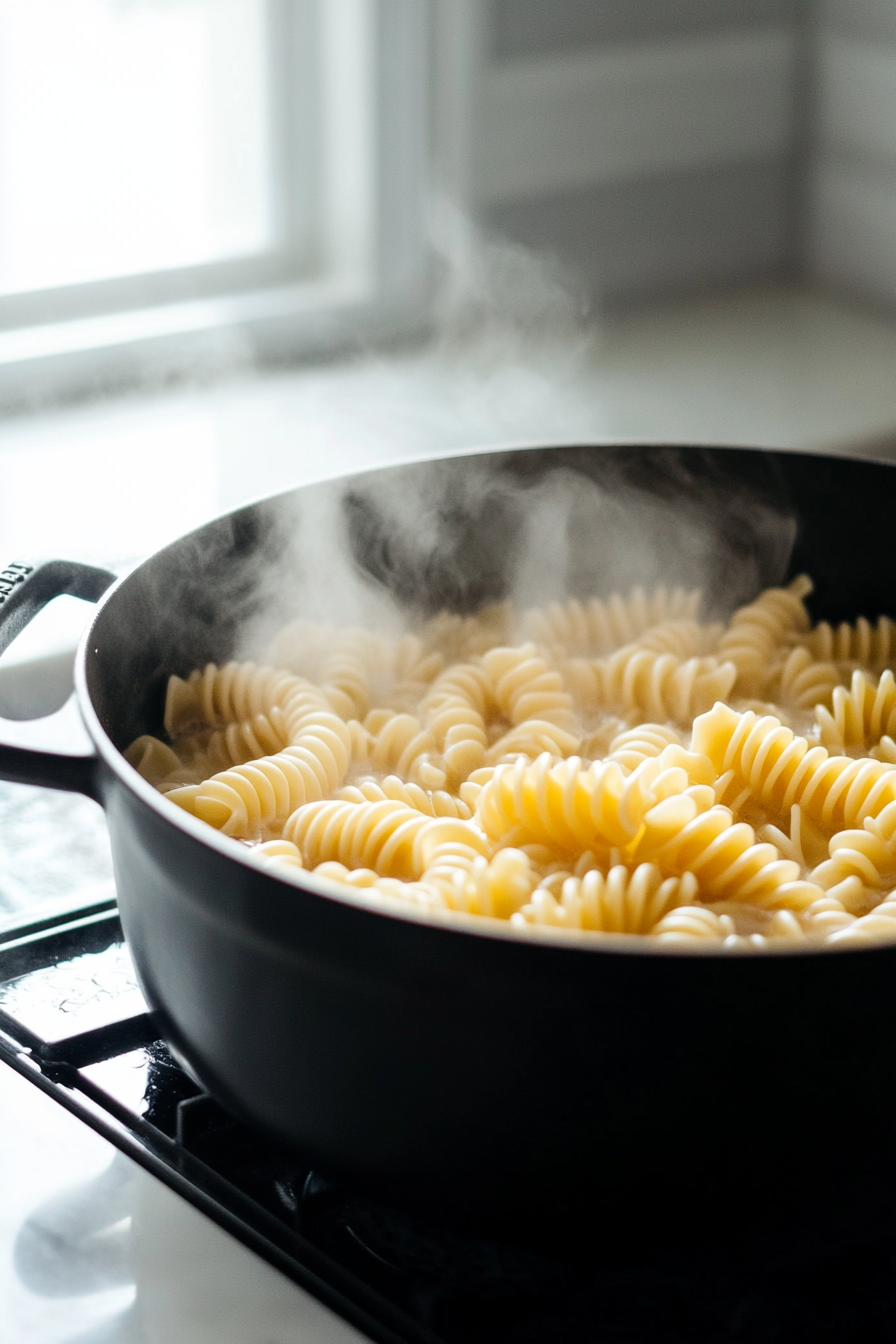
<point x="54" y="752"/>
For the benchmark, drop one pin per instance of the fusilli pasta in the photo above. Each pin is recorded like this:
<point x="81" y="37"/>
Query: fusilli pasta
<point x="599" y="769"/>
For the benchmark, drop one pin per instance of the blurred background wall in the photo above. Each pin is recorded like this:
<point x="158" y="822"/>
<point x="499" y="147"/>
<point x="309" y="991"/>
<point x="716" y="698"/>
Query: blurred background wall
<point x="650" y="145"/>
<point x="654" y="146"/>
<point x="853" y="189"/>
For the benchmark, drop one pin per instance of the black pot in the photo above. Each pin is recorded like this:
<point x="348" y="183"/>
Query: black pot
<point x="452" y="1062"/>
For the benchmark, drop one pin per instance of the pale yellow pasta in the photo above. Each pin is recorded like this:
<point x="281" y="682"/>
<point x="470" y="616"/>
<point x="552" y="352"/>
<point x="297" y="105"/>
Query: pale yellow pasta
<point x="435" y="803"/>
<point x="153" y="759"/>
<point x="455" y="708"/>
<point x="690" y="923"/>
<point x="590" y="629"/>
<point x="399" y="742"/>
<point x="659" y="685"/>
<point x="684" y="639"/>
<point x="599" y="769"/>
<point x="570" y="809"/>
<point x="860" y="717"/>
<point x="526" y="687"/>
<point x="803" y="682"/>
<point x="729" y="864"/>
<point x="455" y="865"/>
<point x="356" y="668"/>
<point x="780" y="769"/>
<point x="459" y="638"/>
<point x="625" y="901"/>
<point x="863" y="644"/>
<point x="879" y="925"/>
<point x="252" y="799"/>
<point x="262" y="735"/>
<point x="531" y="739"/>
<point x="756" y="631"/>
<point x="221" y="695"/>
<point x="380" y="836"/>
<point x="634" y="745"/>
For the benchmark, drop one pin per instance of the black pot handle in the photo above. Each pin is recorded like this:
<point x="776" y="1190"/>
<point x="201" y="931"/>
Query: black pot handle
<point x="71" y="762"/>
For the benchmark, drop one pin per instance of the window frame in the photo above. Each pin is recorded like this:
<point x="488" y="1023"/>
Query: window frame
<point x="350" y="260"/>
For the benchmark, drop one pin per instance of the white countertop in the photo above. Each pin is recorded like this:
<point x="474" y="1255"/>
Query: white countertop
<point x="94" y="1250"/>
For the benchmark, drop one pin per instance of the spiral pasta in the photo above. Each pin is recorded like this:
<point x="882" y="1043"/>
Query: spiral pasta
<point x="455" y="709"/>
<point x="780" y="769"/>
<point x="661" y="686"/>
<point x="859" y="717"/>
<point x="759" y="629"/>
<point x="590" y="629"/>
<point x="872" y="647"/>
<point x="625" y="901"/>
<point x="602" y="769"/>
<point x="525" y="687"/>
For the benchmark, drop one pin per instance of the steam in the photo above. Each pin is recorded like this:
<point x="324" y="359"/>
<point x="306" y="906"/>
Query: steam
<point x="393" y="548"/>
<point x="498" y="302"/>
<point x="511" y="359"/>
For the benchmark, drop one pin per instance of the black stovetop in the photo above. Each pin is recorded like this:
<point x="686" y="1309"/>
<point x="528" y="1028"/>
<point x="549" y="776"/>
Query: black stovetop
<point x="73" y="1022"/>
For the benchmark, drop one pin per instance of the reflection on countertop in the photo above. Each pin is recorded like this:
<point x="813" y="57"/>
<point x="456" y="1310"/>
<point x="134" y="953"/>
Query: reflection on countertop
<point x="93" y="1250"/>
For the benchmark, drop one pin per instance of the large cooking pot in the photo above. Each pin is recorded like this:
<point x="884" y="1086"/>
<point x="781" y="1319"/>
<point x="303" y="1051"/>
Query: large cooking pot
<point x="450" y="1060"/>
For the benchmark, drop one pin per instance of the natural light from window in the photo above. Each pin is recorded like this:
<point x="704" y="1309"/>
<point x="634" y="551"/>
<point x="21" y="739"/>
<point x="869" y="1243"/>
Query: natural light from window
<point x="135" y="137"/>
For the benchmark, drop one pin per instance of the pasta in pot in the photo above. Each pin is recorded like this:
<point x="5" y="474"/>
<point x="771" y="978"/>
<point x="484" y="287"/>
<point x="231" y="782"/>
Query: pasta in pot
<point x="602" y="768"/>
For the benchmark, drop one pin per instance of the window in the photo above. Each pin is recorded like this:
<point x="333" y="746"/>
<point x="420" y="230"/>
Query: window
<point x="174" y="169"/>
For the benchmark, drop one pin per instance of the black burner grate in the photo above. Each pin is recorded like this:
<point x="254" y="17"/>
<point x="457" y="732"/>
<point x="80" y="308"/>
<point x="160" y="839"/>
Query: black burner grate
<point x="72" y="1021"/>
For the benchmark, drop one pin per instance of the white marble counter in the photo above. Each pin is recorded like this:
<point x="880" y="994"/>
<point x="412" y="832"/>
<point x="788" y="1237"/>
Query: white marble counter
<point x="93" y="1250"/>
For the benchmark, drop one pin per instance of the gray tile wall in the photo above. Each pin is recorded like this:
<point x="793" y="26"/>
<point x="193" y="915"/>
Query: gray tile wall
<point x="520" y="28"/>
<point x="872" y="20"/>
<point x="853" y="234"/>
<point x="637" y="239"/>
<point x="633" y="238"/>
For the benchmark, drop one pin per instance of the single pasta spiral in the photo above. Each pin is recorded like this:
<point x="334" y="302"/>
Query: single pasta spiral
<point x="623" y="901"/>
<point x="525" y="687"/>
<point x="218" y="696"/>
<point x="683" y="639"/>
<point x="859" y="864"/>
<point x="379" y="836"/>
<point x="689" y="923"/>
<point x="728" y="863"/>
<point x="571" y="809"/>
<point x="803" y="682"/>
<point x="436" y="803"/>
<point x="250" y="800"/>
<point x="455" y="709"/>
<point x="635" y="745"/>
<point x="756" y="630"/>
<point x="870" y="646"/>
<point x="659" y="685"/>
<point x="860" y="716"/>
<point x="781" y="769"/>
<point x="399" y="742"/>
